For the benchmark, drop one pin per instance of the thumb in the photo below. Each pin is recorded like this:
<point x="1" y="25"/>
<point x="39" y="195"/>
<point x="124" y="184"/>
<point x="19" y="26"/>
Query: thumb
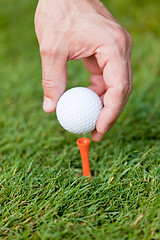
<point x="54" y="76"/>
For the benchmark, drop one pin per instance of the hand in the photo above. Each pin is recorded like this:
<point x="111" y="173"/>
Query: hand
<point x="73" y="29"/>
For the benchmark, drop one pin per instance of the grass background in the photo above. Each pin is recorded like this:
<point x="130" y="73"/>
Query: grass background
<point x="42" y="193"/>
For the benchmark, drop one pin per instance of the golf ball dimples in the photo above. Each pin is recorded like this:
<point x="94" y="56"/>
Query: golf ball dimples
<point x="78" y="109"/>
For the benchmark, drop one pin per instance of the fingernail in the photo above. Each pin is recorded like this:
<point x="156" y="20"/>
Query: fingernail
<point x="48" y="105"/>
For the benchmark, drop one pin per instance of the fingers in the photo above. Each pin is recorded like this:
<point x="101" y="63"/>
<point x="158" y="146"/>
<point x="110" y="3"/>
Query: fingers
<point x="92" y="66"/>
<point x="54" y="75"/>
<point x="118" y="79"/>
<point x="98" y="85"/>
<point x="114" y="88"/>
<point x="97" y="81"/>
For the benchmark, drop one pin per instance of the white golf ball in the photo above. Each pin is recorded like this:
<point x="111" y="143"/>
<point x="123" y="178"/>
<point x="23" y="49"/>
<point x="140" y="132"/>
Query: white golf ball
<point x="78" y="109"/>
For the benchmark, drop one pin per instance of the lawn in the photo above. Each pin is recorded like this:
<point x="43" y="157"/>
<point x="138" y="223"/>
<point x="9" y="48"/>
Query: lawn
<point x="42" y="192"/>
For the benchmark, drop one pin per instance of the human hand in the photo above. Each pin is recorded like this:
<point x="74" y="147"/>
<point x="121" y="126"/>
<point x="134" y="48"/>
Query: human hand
<point x="73" y="29"/>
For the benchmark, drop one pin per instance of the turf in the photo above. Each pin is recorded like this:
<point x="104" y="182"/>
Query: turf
<point x="42" y="192"/>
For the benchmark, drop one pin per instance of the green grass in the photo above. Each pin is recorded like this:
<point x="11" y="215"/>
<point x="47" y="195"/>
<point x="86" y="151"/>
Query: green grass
<point x="42" y="192"/>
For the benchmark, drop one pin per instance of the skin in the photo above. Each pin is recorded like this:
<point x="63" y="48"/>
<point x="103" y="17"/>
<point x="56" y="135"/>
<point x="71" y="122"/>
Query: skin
<point x="85" y="29"/>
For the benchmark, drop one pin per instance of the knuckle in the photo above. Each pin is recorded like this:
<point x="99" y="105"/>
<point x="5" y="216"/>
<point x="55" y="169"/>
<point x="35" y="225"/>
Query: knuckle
<point x="51" y="50"/>
<point x="46" y="49"/>
<point x="123" y="41"/>
<point x="121" y="38"/>
<point x="48" y="83"/>
<point x="123" y="88"/>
